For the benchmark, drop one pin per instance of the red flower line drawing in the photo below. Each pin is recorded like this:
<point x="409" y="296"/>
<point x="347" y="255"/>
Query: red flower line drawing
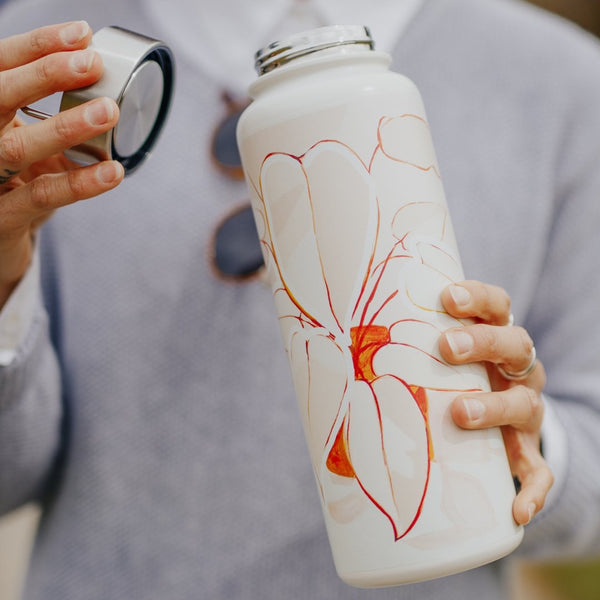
<point x="357" y="264"/>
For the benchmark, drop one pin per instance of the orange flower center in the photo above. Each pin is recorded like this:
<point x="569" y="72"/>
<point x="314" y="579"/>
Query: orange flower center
<point x="366" y="340"/>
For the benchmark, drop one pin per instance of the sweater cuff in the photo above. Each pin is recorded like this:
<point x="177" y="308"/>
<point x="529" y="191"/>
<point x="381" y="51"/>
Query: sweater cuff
<point x="555" y="449"/>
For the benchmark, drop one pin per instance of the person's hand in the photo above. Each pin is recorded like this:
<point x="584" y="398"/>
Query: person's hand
<point x="517" y="378"/>
<point x="35" y="176"/>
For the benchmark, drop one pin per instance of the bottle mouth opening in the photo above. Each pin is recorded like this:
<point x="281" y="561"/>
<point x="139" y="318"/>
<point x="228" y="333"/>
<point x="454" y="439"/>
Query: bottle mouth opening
<point x="281" y="52"/>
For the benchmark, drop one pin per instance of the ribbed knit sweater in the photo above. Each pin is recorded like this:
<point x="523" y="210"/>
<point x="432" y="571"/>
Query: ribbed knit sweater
<point x="150" y="409"/>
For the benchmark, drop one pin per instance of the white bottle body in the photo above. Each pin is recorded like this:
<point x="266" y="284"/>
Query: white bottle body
<point x="358" y="245"/>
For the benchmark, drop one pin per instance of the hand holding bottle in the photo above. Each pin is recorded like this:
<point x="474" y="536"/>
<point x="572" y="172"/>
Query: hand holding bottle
<point x="515" y="403"/>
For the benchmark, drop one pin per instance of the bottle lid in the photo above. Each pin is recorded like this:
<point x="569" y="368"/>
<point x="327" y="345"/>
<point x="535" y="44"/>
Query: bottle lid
<point x="280" y="52"/>
<point x="138" y="76"/>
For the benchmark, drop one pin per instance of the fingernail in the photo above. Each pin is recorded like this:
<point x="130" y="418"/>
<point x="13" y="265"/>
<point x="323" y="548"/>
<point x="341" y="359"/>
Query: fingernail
<point x="474" y="408"/>
<point x="459" y="342"/>
<point x="81" y="62"/>
<point x="74" y="32"/>
<point x="460" y="295"/>
<point x="99" y="112"/>
<point x="109" y="172"/>
<point x="531" y="511"/>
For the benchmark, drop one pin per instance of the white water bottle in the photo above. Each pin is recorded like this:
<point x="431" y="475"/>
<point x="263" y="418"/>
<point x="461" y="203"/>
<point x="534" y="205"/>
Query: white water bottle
<point x="358" y="244"/>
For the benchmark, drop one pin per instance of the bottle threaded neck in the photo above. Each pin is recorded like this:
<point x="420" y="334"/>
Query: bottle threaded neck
<point x="301" y="44"/>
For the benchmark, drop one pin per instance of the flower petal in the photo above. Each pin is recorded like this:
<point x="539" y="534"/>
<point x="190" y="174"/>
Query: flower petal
<point x="424" y="286"/>
<point x="441" y="260"/>
<point x="422" y="366"/>
<point x="466" y="501"/>
<point x="407" y="138"/>
<point x="290" y="228"/>
<point x="428" y="219"/>
<point x="413" y="356"/>
<point x="344" y="213"/>
<point x="388" y="447"/>
<point x="417" y="207"/>
<point x="318" y="370"/>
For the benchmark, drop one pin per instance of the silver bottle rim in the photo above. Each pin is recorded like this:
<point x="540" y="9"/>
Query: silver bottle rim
<point x="281" y="52"/>
<point x="138" y="76"/>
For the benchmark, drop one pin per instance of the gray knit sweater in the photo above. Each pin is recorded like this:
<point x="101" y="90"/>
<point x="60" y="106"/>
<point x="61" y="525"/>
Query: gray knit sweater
<point x="150" y="409"/>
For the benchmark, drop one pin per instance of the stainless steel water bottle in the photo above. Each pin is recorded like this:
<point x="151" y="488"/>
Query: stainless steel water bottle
<point x="358" y="244"/>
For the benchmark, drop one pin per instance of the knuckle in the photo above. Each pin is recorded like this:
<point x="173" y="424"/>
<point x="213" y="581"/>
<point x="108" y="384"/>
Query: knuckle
<point x="75" y="184"/>
<point x="525" y="341"/>
<point x="534" y="401"/>
<point x="39" y="41"/>
<point x="494" y="301"/>
<point x="485" y="293"/>
<point x="4" y="107"/>
<point x="41" y="193"/>
<point x="12" y="149"/>
<point x="489" y="340"/>
<point x="43" y="70"/>
<point x="63" y="130"/>
<point x="504" y="300"/>
<point x="540" y="376"/>
<point x="504" y="405"/>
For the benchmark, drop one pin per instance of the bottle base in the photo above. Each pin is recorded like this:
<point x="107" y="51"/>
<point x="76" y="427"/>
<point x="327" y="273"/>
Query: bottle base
<point x="417" y="573"/>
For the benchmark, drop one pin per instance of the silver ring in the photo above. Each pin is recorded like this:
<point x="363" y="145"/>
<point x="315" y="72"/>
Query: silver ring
<point x="523" y="374"/>
<point x="511" y="320"/>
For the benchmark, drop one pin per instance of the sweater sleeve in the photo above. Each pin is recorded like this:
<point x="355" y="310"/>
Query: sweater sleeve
<point x="565" y="324"/>
<point x="30" y="410"/>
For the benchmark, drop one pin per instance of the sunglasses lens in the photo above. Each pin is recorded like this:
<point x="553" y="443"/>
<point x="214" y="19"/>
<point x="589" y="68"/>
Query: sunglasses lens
<point x="237" y="246"/>
<point x="225" y="144"/>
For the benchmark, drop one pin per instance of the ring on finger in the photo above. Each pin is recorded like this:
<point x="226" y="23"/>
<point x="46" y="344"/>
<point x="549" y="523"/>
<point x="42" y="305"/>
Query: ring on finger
<point x="524" y="373"/>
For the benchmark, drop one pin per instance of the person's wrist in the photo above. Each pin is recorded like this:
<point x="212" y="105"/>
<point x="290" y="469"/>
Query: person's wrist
<point x="13" y="266"/>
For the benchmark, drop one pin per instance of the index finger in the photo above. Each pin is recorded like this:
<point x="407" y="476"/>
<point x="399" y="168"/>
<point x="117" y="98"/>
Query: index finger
<point x="532" y="471"/>
<point x="24" y="48"/>
<point x="477" y="300"/>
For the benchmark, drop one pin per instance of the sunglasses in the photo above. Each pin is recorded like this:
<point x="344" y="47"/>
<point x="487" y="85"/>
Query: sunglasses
<point x="236" y="249"/>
